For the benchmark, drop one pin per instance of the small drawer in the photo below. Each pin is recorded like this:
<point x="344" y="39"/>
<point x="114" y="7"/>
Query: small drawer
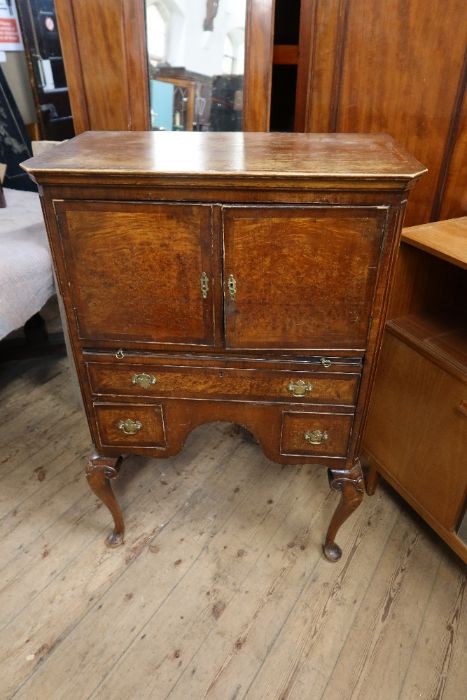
<point x="319" y="434"/>
<point x="130" y="425"/>
<point x="223" y="383"/>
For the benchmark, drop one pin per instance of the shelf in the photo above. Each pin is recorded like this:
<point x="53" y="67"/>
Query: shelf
<point x="440" y="336"/>
<point x="444" y="239"/>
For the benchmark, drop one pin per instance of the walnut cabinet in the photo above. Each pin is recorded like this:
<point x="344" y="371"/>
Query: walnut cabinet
<point x="232" y="277"/>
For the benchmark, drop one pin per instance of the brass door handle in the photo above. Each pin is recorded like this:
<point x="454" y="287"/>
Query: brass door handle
<point x="144" y="380"/>
<point x="316" y="437"/>
<point x="299" y="388"/>
<point x="129" y="426"/>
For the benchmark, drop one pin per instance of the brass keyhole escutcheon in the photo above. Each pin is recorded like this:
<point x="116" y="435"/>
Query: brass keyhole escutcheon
<point x="232" y="285"/>
<point x="204" y="284"/>
<point x="316" y="437"/>
<point x="144" y="380"/>
<point x="129" y="426"/>
<point x="299" y="388"/>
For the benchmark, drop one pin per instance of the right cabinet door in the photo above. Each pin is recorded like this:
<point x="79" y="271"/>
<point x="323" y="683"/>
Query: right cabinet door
<point x="300" y="278"/>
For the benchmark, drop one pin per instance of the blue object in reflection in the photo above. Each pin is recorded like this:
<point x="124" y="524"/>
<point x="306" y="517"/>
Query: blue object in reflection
<point x="161" y="105"/>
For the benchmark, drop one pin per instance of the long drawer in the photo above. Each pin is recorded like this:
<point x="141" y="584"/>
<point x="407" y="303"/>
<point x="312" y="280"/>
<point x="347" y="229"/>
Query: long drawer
<point x="178" y="381"/>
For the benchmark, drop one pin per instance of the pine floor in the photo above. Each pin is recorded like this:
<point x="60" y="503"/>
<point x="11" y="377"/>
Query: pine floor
<point x="221" y="590"/>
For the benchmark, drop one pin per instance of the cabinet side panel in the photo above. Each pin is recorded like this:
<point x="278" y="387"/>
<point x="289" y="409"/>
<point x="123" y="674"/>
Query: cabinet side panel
<point x="416" y="431"/>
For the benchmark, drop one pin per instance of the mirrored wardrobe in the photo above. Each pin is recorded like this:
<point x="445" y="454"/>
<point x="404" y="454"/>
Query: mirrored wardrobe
<point x="168" y="64"/>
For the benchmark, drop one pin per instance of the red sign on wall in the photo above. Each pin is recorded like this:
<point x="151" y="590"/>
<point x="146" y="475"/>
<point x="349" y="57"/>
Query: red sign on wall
<point x="9" y="33"/>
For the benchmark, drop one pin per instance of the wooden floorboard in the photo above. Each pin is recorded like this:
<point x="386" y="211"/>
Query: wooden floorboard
<point x="221" y="590"/>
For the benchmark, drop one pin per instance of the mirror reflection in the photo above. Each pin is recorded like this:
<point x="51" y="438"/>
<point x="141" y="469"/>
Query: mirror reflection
<point x="196" y="52"/>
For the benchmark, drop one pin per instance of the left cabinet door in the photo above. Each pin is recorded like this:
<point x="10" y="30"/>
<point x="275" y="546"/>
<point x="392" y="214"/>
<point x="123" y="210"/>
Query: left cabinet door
<point x="139" y="272"/>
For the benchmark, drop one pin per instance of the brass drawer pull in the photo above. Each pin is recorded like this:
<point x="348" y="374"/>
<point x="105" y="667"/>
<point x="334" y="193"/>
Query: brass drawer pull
<point x="204" y="284"/>
<point x="299" y="388"/>
<point x="119" y="354"/>
<point x="316" y="437"/>
<point x="144" y="380"/>
<point x="129" y="426"/>
<point x="326" y="362"/>
<point x="232" y="285"/>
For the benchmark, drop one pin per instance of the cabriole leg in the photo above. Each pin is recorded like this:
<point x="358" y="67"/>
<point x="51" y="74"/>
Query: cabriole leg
<point x="99" y="471"/>
<point x="351" y="485"/>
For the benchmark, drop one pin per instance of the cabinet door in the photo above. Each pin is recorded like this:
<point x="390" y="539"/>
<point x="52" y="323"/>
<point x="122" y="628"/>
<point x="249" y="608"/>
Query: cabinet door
<point x="135" y="270"/>
<point x="300" y="277"/>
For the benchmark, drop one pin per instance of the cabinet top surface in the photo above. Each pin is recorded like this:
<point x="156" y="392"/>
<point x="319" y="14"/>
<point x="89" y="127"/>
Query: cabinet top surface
<point x="262" y="155"/>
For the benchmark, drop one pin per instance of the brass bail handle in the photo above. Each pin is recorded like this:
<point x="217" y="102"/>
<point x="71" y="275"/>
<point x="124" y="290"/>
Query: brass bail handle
<point x="316" y="437"/>
<point x="129" y="426"/>
<point x="299" y="388"/>
<point x="144" y="380"/>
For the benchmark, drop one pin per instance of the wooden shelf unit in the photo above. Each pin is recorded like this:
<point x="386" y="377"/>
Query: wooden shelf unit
<point x="416" y="436"/>
<point x="447" y="241"/>
<point x="440" y="336"/>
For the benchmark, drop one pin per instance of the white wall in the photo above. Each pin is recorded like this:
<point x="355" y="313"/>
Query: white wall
<point x="16" y="73"/>
<point x="189" y="46"/>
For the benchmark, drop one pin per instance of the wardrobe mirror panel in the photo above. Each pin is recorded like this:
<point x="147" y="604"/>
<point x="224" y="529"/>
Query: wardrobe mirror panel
<point x="196" y="58"/>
